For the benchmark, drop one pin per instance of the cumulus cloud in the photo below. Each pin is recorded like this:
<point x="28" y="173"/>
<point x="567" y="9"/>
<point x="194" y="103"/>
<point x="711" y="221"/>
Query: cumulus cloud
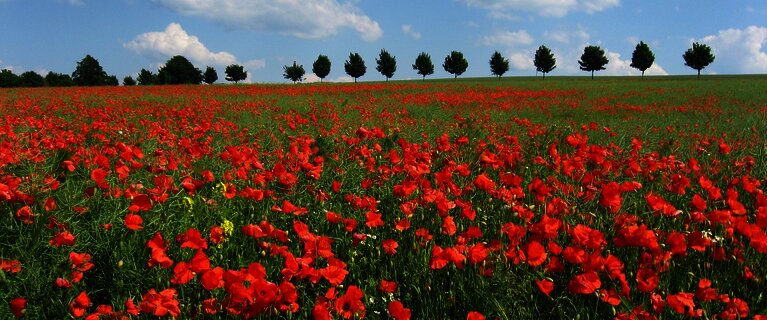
<point x="507" y="38"/>
<point x="521" y="60"/>
<point x="548" y="8"/>
<point x="174" y="40"/>
<point x="739" y="50"/>
<point x="306" y="19"/>
<point x="408" y="30"/>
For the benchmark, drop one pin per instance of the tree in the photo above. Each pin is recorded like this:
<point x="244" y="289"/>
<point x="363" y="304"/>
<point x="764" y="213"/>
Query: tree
<point x="178" y="70"/>
<point x="146" y="78"/>
<point x="498" y="64"/>
<point x="593" y="59"/>
<point x="129" y="81"/>
<point x="112" y="81"/>
<point x="423" y="65"/>
<point x="386" y="64"/>
<point x="321" y="67"/>
<point x="89" y="73"/>
<point x="210" y="76"/>
<point x="698" y="57"/>
<point x="32" y="79"/>
<point x="544" y="60"/>
<point x="53" y="79"/>
<point x="642" y="58"/>
<point x="8" y="79"/>
<point x="294" y="73"/>
<point x="236" y="73"/>
<point x="355" y="66"/>
<point x="455" y="63"/>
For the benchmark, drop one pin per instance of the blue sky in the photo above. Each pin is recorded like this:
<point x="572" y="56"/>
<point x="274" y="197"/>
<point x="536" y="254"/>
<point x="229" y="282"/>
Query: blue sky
<point x="264" y="35"/>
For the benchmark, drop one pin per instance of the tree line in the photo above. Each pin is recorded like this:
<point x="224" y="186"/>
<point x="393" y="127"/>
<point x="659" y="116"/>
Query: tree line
<point x="179" y="70"/>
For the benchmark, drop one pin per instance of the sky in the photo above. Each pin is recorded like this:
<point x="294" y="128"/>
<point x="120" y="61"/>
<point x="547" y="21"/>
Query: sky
<point x="264" y="35"/>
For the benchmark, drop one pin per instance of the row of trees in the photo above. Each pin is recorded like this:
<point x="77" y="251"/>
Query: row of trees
<point x="179" y="70"/>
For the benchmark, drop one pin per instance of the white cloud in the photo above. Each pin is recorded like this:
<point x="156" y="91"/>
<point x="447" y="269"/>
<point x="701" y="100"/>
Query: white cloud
<point x="521" y="61"/>
<point x="550" y="8"/>
<point x="739" y="50"/>
<point x="408" y="30"/>
<point x="621" y="67"/>
<point x="78" y="3"/>
<point x="562" y="36"/>
<point x="307" y="19"/>
<point x="174" y="40"/>
<point x="311" y="78"/>
<point x="507" y="39"/>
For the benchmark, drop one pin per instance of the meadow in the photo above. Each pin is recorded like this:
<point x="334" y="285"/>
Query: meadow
<point x="515" y="198"/>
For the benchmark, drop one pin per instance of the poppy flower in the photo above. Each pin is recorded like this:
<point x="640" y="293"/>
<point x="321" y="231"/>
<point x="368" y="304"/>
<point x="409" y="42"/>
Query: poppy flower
<point x="474" y="315"/>
<point x="25" y="215"/>
<point x="398" y="311"/>
<point x="79" y="306"/>
<point x="212" y="279"/>
<point x="647" y="280"/>
<point x="373" y="220"/>
<point x="64" y="238"/>
<point x="18" y="306"/>
<point x="585" y="283"/>
<point x="133" y="221"/>
<point x="10" y="266"/>
<point x="535" y="253"/>
<point x="387" y="286"/>
<point x="350" y="305"/>
<point x="181" y="274"/>
<point x="390" y="246"/>
<point x="160" y="304"/>
<point x="140" y="202"/>
<point x="681" y="303"/>
<point x="546" y="286"/>
<point x="192" y="239"/>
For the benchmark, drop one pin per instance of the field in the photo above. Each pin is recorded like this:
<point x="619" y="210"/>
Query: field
<point x="507" y="199"/>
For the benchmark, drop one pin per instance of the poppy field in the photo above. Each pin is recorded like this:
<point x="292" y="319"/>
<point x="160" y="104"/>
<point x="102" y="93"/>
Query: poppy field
<point x="473" y="199"/>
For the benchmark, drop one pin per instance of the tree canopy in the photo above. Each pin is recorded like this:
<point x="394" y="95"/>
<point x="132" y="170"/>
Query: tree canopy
<point x="498" y="64"/>
<point x="54" y="79"/>
<point x="32" y="79"/>
<point x="423" y="65"/>
<point x="8" y="79"/>
<point x="146" y="77"/>
<point x="698" y="57"/>
<point x="294" y="73"/>
<point x="236" y="73"/>
<point x="321" y="67"/>
<point x="544" y="60"/>
<point x="593" y="59"/>
<point x="386" y="64"/>
<point x="355" y="66"/>
<point x="455" y="63"/>
<point x="89" y="73"/>
<point x="178" y="70"/>
<point x="210" y="76"/>
<point x="642" y="58"/>
<point x="129" y="81"/>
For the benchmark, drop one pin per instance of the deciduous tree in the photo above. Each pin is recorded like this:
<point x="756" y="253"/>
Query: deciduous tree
<point x="89" y="73"/>
<point x="146" y="78"/>
<point x="210" y="76"/>
<point x="455" y="64"/>
<point x="423" y="65"/>
<point x="8" y="79"/>
<point x="178" y="70"/>
<point x="698" y="57"/>
<point x="386" y="64"/>
<point x="642" y="58"/>
<point x="593" y="59"/>
<point x="294" y="73"/>
<point x="544" y="60"/>
<point x="498" y="64"/>
<point x="236" y="73"/>
<point x="355" y="66"/>
<point x="32" y="79"/>
<point x="53" y="79"/>
<point x="129" y="81"/>
<point x="321" y="67"/>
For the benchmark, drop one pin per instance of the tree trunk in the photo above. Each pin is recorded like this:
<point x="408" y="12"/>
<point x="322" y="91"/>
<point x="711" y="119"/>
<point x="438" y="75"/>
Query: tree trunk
<point x="355" y="80"/>
<point x="424" y="78"/>
<point x="642" y="74"/>
<point x="592" y="74"/>
<point x="544" y="75"/>
<point x="698" y="74"/>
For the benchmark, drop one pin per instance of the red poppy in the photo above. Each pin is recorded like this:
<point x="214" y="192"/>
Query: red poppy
<point x="335" y="273"/>
<point x="373" y="220"/>
<point x="350" y="305"/>
<point x="212" y="279"/>
<point x="483" y="182"/>
<point x="390" y="246"/>
<point x="611" y="197"/>
<point x="181" y="274"/>
<point x="64" y="238"/>
<point x="546" y="286"/>
<point x="25" y="215"/>
<point x="79" y="306"/>
<point x="192" y="239"/>
<point x="647" y="280"/>
<point x="535" y="253"/>
<point x="474" y="315"/>
<point x="448" y="226"/>
<point x="387" y="286"/>
<point x="140" y="202"/>
<point x="160" y="304"/>
<point x="133" y="221"/>
<point x="477" y="253"/>
<point x="199" y="262"/>
<point x="681" y="303"/>
<point x="18" y="307"/>
<point x="333" y="217"/>
<point x="585" y="283"/>
<point x="10" y="266"/>
<point x="50" y="204"/>
<point x="398" y="311"/>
